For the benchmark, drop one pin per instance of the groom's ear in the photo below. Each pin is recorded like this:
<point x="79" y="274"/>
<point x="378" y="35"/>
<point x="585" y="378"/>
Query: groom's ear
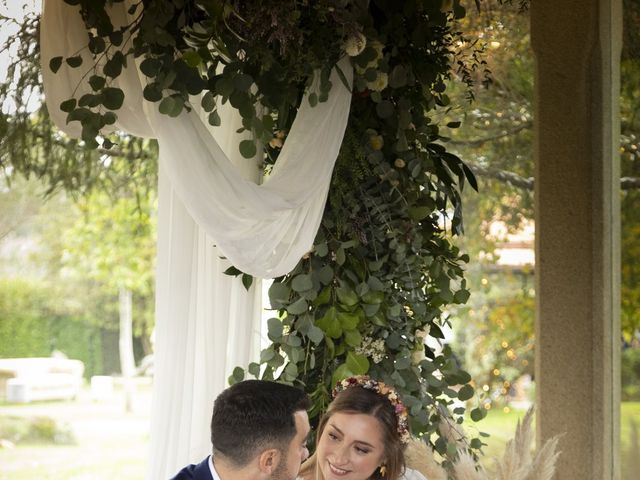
<point x="269" y="460"/>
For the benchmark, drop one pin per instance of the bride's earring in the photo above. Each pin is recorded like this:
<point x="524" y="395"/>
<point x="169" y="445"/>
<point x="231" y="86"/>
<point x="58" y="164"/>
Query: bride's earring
<point x="383" y="470"/>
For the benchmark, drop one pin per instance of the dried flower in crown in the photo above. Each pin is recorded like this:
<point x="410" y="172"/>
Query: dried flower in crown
<point x="366" y="382"/>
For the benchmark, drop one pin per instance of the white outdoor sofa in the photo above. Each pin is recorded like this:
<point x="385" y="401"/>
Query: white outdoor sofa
<point x="24" y="380"/>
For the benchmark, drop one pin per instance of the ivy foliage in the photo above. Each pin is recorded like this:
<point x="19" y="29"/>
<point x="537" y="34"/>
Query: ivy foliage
<point x="383" y="267"/>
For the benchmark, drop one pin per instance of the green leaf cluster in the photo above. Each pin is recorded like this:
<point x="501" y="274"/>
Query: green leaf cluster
<point x="383" y="268"/>
<point x="226" y="52"/>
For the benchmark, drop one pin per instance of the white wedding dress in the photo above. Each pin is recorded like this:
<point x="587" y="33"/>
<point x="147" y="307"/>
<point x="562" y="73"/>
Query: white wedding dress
<point x="410" y="474"/>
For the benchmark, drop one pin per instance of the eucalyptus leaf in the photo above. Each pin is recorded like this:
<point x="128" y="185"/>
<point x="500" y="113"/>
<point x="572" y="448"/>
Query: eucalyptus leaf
<point x="96" y="45"/>
<point x="152" y="92"/>
<point x="330" y="324"/>
<point x="55" y="63"/>
<point x="316" y="335"/>
<point x="113" y="67"/>
<point x="298" y="307"/>
<point x="248" y="148"/>
<point x="214" y="119"/>
<point x="398" y="77"/>
<point x="150" y="66"/>
<point x="109" y="118"/>
<point x="266" y="355"/>
<point x="238" y="374"/>
<point x="208" y="102"/>
<point x="293" y="340"/>
<point x="357" y="363"/>
<point x="348" y="321"/>
<point x="370" y="309"/>
<point x="166" y="105"/>
<point x="68" y="105"/>
<point x="97" y="82"/>
<point x="301" y="283"/>
<point x="346" y="296"/>
<point x="375" y="284"/>
<point x="90" y="100"/>
<point x="325" y="275"/>
<point x="243" y="82"/>
<point x="74" y="62"/>
<point x="321" y="249"/>
<point x="353" y="338"/>
<point x="254" y="369"/>
<point x="466" y="393"/>
<point x="279" y="294"/>
<point x="324" y="297"/>
<point x="385" y="109"/>
<point x="478" y="414"/>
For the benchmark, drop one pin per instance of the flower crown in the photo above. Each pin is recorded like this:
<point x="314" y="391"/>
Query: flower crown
<point x="384" y="390"/>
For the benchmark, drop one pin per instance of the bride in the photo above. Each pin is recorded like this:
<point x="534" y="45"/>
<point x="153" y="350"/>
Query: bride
<point x="362" y="436"/>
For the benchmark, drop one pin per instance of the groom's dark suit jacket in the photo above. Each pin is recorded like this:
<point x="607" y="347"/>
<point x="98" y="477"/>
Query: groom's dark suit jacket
<point x="195" y="472"/>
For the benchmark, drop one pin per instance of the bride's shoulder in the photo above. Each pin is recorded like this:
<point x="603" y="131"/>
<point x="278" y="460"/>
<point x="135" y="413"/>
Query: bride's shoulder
<point x="410" y="474"/>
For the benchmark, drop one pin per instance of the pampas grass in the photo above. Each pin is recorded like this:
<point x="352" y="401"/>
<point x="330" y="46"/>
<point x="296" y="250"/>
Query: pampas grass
<point x="465" y="468"/>
<point x="544" y="463"/>
<point x="419" y="456"/>
<point x="517" y="463"/>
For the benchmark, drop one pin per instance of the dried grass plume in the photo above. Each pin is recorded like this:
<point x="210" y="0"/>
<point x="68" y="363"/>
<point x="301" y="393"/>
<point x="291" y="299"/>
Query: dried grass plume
<point x="518" y="462"/>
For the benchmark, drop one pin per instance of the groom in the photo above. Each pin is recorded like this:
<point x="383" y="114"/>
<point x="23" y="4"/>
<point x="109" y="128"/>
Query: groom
<point x="259" y="431"/>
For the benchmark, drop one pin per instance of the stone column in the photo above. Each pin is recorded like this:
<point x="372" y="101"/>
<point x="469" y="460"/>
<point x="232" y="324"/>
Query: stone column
<point x="576" y="45"/>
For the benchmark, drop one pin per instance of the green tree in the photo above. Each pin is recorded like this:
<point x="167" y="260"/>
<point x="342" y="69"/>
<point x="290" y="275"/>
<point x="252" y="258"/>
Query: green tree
<point x="113" y="243"/>
<point x="630" y="165"/>
<point x="123" y="178"/>
<point x="495" y="137"/>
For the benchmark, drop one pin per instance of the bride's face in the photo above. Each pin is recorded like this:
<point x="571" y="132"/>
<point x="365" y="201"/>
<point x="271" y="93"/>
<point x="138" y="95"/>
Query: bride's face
<point x="351" y="447"/>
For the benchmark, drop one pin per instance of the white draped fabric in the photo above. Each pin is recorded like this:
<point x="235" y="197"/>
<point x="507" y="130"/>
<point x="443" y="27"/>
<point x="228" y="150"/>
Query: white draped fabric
<point x="210" y="206"/>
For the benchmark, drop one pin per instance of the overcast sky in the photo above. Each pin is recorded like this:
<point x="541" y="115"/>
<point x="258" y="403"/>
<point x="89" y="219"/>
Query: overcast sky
<point x="13" y="9"/>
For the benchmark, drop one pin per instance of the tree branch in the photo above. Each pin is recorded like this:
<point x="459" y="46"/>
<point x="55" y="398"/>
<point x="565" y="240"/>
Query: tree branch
<point x="629" y="183"/>
<point x="477" y="142"/>
<point x="502" y="176"/>
<point x="527" y="183"/>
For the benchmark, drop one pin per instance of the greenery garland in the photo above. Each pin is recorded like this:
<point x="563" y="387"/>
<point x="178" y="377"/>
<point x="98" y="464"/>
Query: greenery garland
<point x="383" y="268"/>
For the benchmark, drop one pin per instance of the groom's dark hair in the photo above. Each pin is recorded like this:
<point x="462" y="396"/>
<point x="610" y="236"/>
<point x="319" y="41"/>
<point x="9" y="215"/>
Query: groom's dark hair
<point x="254" y="415"/>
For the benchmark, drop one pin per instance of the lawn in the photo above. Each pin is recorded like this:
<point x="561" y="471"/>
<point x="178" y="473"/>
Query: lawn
<point x="105" y="442"/>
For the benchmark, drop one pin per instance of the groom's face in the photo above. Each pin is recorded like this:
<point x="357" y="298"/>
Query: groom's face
<point x="297" y="453"/>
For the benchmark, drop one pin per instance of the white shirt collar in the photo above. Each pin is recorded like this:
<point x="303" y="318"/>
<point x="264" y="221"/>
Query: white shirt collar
<point x="212" y="469"/>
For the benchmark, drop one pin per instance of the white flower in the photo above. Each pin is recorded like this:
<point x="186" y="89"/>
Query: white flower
<point x="355" y="45"/>
<point x="376" y="142"/>
<point x="380" y="83"/>
<point x="378" y="47"/>
<point x="424" y="333"/>
<point x="417" y="356"/>
<point x="371" y="348"/>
